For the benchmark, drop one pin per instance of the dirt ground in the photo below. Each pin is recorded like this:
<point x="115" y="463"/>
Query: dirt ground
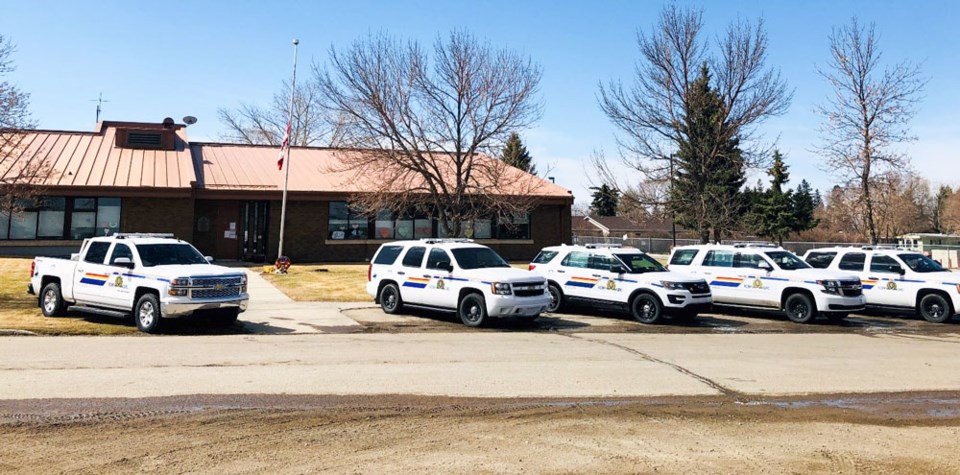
<point x="902" y="433"/>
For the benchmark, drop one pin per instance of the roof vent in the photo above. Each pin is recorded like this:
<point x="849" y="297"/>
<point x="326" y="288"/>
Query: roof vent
<point x="165" y="139"/>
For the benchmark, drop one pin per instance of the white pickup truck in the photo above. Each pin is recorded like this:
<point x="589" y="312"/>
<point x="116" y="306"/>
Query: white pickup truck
<point x="152" y="276"/>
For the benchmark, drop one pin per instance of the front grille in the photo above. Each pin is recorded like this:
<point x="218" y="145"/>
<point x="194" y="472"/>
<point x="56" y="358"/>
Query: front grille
<point x="529" y="289"/>
<point x="214" y="281"/>
<point x="215" y="293"/>
<point x="851" y="288"/>
<point x="699" y="288"/>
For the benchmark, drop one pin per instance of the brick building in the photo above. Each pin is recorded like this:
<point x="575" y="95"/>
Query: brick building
<point x="225" y="199"/>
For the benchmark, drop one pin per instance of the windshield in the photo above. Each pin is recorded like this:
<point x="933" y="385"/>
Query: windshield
<point x="921" y="263"/>
<point x="640" y="263"/>
<point x="169" y="255"/>
<point x="787" y="260"/>
<point x="478" y="258"/>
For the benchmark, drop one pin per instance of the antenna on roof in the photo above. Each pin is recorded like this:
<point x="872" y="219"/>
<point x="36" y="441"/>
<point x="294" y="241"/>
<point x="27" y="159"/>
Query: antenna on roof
<point x="99" y="100"/>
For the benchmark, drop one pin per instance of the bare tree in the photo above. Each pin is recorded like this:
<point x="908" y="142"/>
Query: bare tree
<point x="19" y="177"/>
<point x="649" y="114"/>
<point x="312" y="125"/>
<point x="868" y="113"/>
<point x="427" y="126"/>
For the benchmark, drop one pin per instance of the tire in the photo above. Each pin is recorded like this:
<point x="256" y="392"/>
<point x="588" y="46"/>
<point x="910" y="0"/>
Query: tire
<point x="227" y="316"/>
<point x="800" y="308"/>
<point x="390" y="300"/>
<point x="646" y="308"/>
<point x="146" y="313"/>
<point x="556" y="299"/>
<point x="934" y="308"/>
<point x="51" y="301"/>
<point x="472" y="310"/>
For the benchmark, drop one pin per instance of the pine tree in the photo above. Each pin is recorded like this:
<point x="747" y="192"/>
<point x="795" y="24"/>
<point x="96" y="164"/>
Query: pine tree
<point x="515" y="154"/>
<point x="709" y="169"/>
<point x="606" y="199"/>
<point x="805" y="204"/>
<point x="775" y="218"/>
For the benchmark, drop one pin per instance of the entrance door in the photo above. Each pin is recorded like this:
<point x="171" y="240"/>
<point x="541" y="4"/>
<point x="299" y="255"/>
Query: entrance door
<point x="255" y="215"/>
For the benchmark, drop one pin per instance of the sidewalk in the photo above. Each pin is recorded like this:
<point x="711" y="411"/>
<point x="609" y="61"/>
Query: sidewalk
<point x="271" y="312"/>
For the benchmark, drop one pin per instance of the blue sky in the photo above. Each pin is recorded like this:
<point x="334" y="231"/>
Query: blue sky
<point x="157" y="59"/>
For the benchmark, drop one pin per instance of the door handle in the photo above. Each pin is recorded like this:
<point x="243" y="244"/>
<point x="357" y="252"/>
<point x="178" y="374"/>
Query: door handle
<point x="873" y="278"/>
<point x="595" y="275"/>
<point x="401" y="273"/>
<point x="561" y="271"/>
<point x="426" y="275"/>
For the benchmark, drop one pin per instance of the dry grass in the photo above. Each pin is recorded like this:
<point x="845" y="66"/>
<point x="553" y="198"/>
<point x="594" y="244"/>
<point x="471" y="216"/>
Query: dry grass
<point x="19" y="311"/>
<point x="323" y="283"/>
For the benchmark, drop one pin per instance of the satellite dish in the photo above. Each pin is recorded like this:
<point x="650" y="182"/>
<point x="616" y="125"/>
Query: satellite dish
<point x="189" y="120"/>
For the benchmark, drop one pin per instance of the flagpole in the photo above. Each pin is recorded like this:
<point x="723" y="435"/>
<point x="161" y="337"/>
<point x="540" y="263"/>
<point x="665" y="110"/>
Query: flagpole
<point x="286" y="176"/>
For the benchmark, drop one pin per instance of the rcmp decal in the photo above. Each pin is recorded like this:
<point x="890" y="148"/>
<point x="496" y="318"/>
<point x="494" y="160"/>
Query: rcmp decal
<point x="94" y="279"/>
<point x="585" y="282"/>
<point x="416" y="282"/>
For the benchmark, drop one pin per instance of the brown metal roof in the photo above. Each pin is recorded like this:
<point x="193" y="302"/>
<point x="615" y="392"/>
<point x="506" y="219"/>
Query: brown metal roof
<point x="253" y="167"/>
<point x="85" y="159"/>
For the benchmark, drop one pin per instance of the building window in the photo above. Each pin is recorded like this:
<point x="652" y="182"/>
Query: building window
<point x="345" y="223"/>
<point x="58" y="217"/>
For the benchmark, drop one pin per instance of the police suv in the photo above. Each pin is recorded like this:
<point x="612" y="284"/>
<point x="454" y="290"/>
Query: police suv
<point x="764" y="275"/>
<point x="896" y="279"/>
<point x="453" y="275"/>
<point x="622" y="277"/>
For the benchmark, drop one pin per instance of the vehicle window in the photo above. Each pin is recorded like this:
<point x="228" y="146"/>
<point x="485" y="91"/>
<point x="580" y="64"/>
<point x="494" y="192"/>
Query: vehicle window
<point x="414" y="256"/>
<point x="437" y="256"/>
<point x="387" y="255"/>
<point x="718" y="259"/>
<point x="596" y="261"/>
<point x="683" y="257"/>
<point x="750" y="261"/>
<point x="478" y="257"/>
<point x="920" y="263"/>
<point x="96" y="252"/>
<point x="545" y="256"/>
<point x="820" y="260"/>
<point x="852" y="261"/>
<point x="576" y="259"/>
<point x="885" y="264"/>
<point x="639" y="263"/>
<point x="121" y="250"/>
<point x="169" y="255"/>
<point x="787" y="260"/>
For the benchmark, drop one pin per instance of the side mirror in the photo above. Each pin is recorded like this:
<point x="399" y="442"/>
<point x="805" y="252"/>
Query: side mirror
<point x="123" y="262"/>
<point x="764" y="265"/>
<point x="208" y="258"/>
<point x="445" y="265"/>
<point x="617" y="269"/>
<point x="898" y="269"/>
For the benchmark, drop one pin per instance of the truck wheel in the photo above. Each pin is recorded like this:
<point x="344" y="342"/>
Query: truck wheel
<point x="556" y="299"/>
<point x="390" y="300"/>
<point x="933" y="308"/>
<point x="646" y="308"/>
<point x="800" y="308"/>
<point x="51" y="300"/>
<point x="147" y="313"/>
<point x="472" y="310"/>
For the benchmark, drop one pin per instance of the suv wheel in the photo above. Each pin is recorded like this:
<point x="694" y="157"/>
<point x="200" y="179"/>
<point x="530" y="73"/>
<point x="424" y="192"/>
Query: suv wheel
<point x="472" y="310"/>
<point x="147" y="313"/>
<point x="556" y="299"/>
<point x="934" y="308"/>
<point x="646" y="308"/>
<point x="800" y="308"/>
<point x="390" y="300"/>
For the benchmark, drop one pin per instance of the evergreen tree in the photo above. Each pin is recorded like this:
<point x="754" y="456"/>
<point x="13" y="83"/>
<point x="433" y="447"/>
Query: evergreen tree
<point x="515" y="154"/>
<point x="775" y="218"/>
<point x="709" y="169"/>
<point x="606" y="199"/>
<point x="805" y="204"/>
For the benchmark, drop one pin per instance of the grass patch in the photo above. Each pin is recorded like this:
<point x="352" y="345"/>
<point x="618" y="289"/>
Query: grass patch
<point x="19" y="311"/>
<point x="323" y="283"/>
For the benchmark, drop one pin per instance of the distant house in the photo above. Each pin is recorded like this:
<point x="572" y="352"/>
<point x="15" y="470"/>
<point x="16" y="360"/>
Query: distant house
<point x="226" y="199"/>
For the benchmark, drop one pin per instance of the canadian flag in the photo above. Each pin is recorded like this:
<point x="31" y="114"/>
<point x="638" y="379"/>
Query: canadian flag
<point x="283" y="147"/>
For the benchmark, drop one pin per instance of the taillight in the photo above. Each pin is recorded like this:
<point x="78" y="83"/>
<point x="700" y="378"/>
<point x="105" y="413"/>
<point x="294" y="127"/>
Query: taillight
<point x="369" y="270"/>
<point x="531" y="267"/>
<point x="33" y="268"/>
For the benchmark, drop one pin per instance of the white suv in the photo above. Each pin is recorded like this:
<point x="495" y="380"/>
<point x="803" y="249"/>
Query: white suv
<point x="623" y="277"/>
<point x="896" y="279"/>
<point x="767" y="276"/>
<point x="453" y="275"/>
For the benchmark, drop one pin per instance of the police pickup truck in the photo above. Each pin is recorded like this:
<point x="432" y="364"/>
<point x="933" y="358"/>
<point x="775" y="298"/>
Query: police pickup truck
<point x="152" y="276"/>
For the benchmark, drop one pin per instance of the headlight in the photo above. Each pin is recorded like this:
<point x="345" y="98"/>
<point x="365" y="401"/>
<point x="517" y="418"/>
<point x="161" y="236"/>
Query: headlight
<point x="830" y="286"/>
<point x="180" y="282"/>
<point x="673" y="285"/>
<point x="178" y="292"/>
<point x="500" y="288"/>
